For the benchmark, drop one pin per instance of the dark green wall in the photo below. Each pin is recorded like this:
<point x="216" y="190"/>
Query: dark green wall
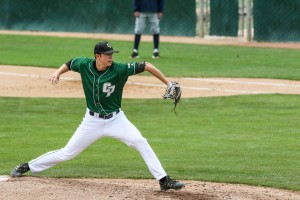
<point x="224" y="17"/>
<point x="96" y="16"/>
<point x="276" y="20"/>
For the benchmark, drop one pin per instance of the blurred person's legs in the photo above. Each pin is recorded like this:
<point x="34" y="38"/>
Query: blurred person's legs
<point x="140" y="24"/>
<point x="155" y="29"/>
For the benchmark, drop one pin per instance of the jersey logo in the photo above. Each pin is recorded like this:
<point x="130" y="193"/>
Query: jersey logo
<point x="130" y="64"/>
<point x="109" y="45"/>
<point x="108" y="88"/>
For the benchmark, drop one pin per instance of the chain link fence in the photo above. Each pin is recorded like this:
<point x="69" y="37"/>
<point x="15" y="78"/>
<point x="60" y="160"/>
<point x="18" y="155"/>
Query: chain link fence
<point x="96" y="16"/>
<point x="276" y="20"/>
<point x="267" y="20"/>
<point x="224" y="18"/>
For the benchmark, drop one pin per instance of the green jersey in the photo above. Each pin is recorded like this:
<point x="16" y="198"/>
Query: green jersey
<point x="103" y="89"/>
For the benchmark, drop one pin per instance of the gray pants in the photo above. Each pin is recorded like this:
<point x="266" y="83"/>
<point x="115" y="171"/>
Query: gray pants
<point x="140" y="23"/>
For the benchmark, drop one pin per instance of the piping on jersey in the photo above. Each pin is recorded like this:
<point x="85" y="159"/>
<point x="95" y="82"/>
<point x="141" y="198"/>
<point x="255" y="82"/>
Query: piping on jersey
<point x="94" y="83"/>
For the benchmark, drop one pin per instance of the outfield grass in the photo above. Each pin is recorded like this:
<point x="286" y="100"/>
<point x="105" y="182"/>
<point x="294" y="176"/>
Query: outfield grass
<point x="243" y="139"/>
<point x="177" y="59"/>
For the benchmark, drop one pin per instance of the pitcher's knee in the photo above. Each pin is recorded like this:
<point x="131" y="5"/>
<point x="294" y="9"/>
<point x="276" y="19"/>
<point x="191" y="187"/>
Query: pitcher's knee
<point x="140" y="142"/>
<point x="67" y="155"/>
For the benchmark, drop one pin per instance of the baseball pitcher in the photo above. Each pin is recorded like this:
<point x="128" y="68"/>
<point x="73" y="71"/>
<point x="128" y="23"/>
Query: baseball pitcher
<point x="103" y="81"/>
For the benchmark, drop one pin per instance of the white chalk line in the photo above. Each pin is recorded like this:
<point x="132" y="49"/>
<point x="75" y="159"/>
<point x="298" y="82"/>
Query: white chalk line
<point x="184" y="87"/>
<point x="243" y="82"/>
<point x="202" y="88"/>
<point x="33" y="76"/>
<point x="4" y="178"/>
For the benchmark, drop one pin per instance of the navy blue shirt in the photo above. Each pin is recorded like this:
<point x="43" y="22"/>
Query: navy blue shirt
<point x="148" y="5"/>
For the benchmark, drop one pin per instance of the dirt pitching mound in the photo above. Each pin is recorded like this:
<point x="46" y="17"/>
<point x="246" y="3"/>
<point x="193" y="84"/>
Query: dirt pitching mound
<point x="28" y="188"/>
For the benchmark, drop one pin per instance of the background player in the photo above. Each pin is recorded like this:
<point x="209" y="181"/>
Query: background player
<point x="147" y="11"/>
<point x="103" y="81"/>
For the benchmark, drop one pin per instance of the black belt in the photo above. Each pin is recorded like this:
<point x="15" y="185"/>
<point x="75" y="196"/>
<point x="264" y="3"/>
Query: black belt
<point x="108" y="116"/>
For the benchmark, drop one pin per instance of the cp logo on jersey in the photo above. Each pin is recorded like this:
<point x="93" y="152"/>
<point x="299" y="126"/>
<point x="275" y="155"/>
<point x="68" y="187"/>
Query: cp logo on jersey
<point x="108" y="88"/>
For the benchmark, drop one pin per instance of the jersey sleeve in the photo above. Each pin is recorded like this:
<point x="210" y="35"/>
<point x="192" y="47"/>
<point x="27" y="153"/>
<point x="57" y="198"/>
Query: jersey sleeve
<point x="128" y="69"/>
<point x="76" y="63"/>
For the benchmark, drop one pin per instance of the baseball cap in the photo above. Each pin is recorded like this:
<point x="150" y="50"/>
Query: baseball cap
<point x="103" y="48"/>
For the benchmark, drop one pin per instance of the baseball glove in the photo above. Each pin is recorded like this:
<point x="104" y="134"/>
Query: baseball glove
<point x="173" y="91"/>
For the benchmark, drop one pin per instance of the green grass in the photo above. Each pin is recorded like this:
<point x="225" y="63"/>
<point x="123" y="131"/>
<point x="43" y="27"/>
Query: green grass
<point x="250" y="139"/>
<point x="177" y="59"/>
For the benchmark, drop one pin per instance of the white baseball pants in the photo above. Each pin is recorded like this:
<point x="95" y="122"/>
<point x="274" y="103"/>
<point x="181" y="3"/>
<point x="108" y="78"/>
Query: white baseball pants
<point x="92" y="129"/>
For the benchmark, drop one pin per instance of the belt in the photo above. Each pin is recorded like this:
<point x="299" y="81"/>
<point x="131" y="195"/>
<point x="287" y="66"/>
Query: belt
<point x="108" y="116"/>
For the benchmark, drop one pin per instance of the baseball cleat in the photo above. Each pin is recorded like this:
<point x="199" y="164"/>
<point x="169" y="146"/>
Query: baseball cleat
<point x="134" y="55"/>
<point x="155" y="55"/>
<point x="19" y="170"/>
<point x="171" y="184"/>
